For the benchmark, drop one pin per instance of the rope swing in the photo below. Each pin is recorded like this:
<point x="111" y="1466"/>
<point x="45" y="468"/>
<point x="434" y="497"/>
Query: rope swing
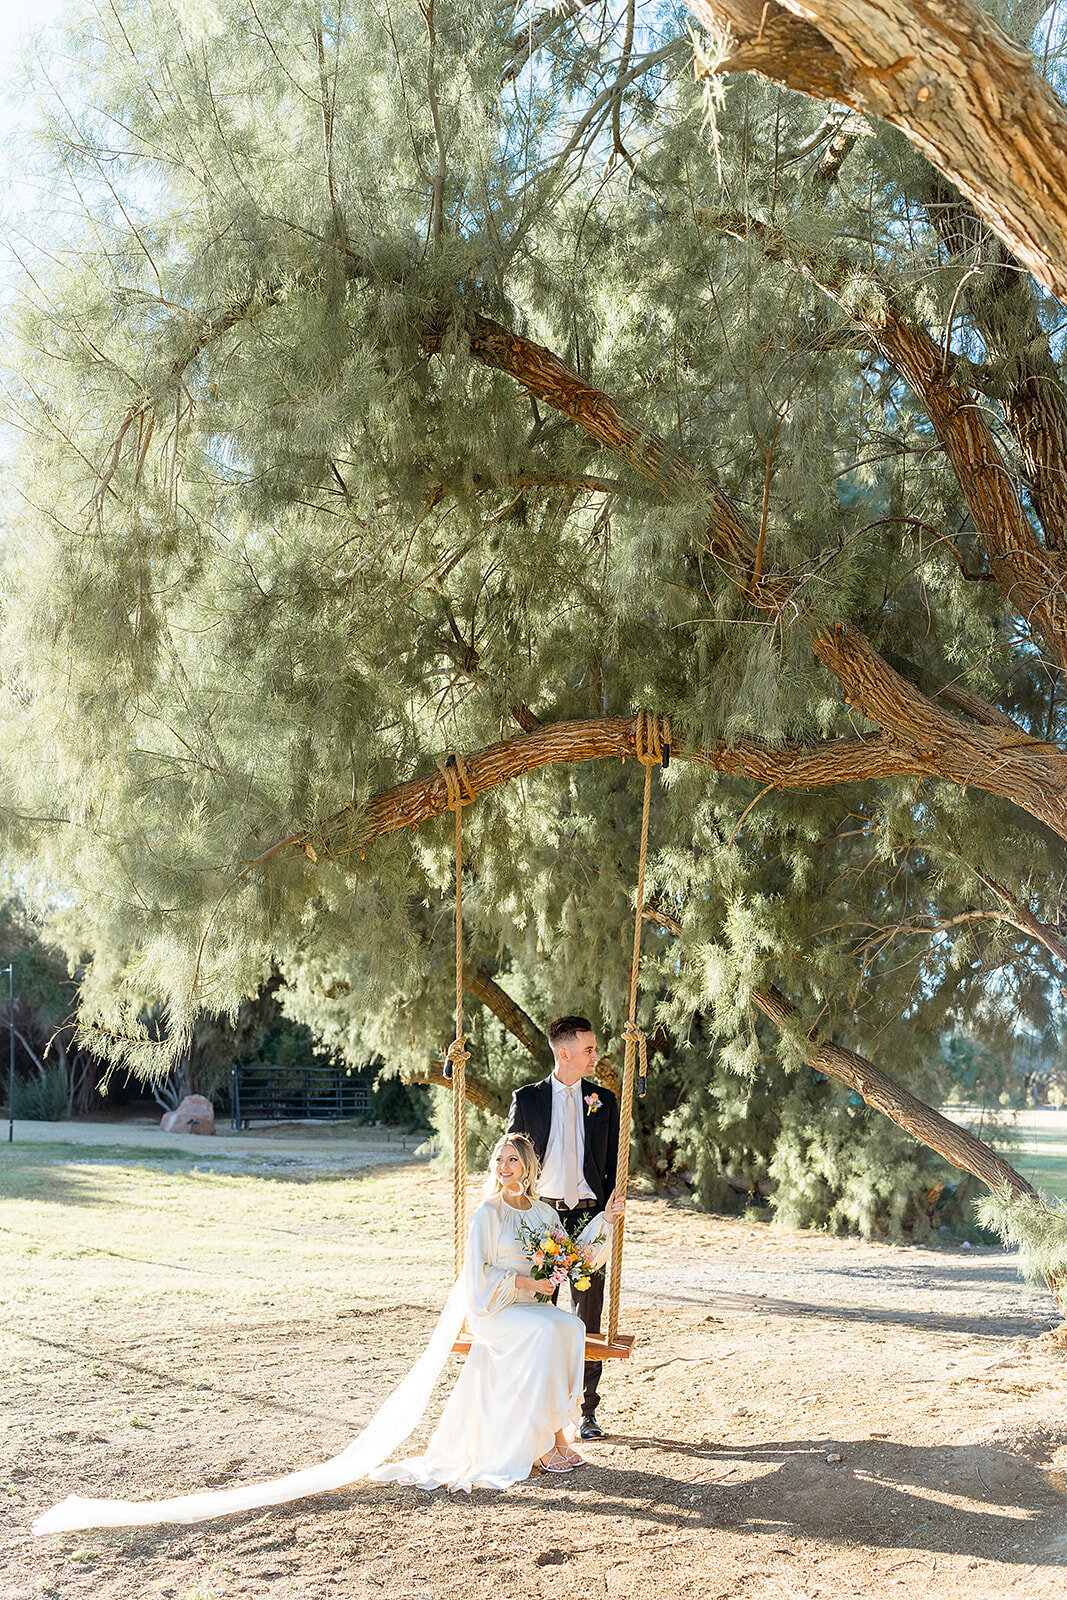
<point x="652" y="742"/>
<point x="460" y="793"/>
<point x="652" y="739"/>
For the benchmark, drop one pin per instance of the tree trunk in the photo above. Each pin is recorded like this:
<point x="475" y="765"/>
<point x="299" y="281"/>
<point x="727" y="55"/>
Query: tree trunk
<point x="948" y="76"/>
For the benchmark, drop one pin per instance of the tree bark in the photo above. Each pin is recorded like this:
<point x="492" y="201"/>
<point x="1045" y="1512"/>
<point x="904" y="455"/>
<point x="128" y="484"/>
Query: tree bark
<point x="506" y="1010"/>
<point x="958" y="1147"/>
<point x="923" y="741"/>
<point x="944" y="73"/>
<point x="476" y="1092"/>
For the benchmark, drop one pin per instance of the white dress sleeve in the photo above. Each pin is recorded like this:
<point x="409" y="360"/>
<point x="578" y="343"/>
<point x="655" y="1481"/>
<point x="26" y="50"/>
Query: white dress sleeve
<point x="593" y="1230"/>
<point x="489" y="1288"/>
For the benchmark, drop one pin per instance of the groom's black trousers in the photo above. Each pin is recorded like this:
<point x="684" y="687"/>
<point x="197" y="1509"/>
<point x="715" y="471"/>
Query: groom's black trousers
<point x="589" y="1305"/>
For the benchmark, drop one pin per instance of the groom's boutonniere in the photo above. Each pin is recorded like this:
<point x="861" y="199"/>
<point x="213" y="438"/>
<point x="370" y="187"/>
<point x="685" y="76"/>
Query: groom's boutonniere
<point x="592" y="1103"/>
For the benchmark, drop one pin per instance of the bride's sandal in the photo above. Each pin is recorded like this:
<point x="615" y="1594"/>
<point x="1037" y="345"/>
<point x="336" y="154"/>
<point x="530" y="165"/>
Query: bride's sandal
<point x="555" y="1462"/>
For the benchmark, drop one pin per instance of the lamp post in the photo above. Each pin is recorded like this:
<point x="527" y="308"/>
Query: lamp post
<point x="10" y="970"/>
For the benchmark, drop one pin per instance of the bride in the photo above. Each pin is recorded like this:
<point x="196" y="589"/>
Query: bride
<point x="521" y="1384"/>
<point x="509" y="1410"/>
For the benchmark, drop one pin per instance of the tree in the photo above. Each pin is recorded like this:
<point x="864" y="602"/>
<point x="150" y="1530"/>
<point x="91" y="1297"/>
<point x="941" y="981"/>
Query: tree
<point x="384" y="395"/>
<point x="55" y="1076"/>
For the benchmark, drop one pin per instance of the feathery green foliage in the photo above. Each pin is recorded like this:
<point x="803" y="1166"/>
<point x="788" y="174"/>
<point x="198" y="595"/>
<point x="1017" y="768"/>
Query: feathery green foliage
<point x="281" y="539"/>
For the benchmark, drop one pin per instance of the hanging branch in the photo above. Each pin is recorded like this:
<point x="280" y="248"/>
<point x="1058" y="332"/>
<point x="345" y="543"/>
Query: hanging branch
<point x="960" y="1148"/>
<point x="1027" y="772"/>
<point x="624" y="61"/>
<point x="1021" y="370"/>
<point x="1030" y="576"/>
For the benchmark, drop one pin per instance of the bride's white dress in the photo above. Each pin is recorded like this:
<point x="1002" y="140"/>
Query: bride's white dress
<point x="519" y="1384"/>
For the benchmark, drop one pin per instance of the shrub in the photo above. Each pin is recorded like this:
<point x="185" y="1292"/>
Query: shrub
<point x="41" y="1099"/>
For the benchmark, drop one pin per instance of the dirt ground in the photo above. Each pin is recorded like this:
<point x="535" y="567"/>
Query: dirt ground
<point x="801" y="1416"/>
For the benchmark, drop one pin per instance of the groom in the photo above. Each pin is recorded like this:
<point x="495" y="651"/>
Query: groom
<point x="573" y="1125"/>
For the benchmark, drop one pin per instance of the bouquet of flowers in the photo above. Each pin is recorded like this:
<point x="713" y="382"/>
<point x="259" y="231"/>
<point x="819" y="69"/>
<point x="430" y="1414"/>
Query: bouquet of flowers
<point x="558" y="1258"/>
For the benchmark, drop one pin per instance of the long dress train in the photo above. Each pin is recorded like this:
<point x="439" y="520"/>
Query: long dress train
<point x="519" y="1384"/>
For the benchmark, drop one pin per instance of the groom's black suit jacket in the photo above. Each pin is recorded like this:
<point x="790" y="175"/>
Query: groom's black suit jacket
<point x="531" y="1114"/>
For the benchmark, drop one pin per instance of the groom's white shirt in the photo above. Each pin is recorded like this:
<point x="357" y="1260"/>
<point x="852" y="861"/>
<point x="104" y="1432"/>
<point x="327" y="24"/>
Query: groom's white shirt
<point x="553" y="1181"/>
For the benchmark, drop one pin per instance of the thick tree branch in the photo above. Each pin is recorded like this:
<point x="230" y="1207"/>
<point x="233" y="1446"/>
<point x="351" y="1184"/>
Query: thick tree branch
<point x="999" y="760"/>
<point x="1032" y="578"/>
<point x="960" y="1148"/>
<point x="946" y="75"/>
<point x="972" y="705"/>
<point x="506" y="1010"/>
<point x="914" y="1116"/>
<point x="1021" y="373"/>
<point x="542" y="373"/>
<point x="476" y="1092"/>
<point x="921" y="741"/>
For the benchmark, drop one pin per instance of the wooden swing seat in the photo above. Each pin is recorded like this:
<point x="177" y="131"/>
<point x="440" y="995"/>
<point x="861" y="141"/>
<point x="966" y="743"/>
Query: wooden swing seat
<point x="597" y="1347"/>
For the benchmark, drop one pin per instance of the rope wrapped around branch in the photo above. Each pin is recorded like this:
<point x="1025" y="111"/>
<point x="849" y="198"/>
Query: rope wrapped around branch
<point x="460" y="793"/>
<point x="652" y="744"/>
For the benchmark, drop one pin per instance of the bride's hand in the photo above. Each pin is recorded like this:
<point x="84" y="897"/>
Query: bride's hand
<point x="614" y="1208"/>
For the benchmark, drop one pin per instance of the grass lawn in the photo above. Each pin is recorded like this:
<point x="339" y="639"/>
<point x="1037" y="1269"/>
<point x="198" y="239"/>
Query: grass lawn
<point x="150" y="1229"/>
<point x="1034" y="1141"/>
<point x="1042" y="1159"/>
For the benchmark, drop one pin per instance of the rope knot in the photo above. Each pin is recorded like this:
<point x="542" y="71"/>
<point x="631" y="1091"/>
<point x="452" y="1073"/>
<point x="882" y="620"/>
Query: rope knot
<point x="632" y="1035"/>
<point x="457" y="1054"/>
<point x="652" y="738"/>
<point x="457" y="782"/>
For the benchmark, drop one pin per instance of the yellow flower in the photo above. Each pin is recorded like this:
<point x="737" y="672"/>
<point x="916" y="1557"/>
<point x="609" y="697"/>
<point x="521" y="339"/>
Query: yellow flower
<point x="582" y="1285"/>
<point x="551" y="1247"/>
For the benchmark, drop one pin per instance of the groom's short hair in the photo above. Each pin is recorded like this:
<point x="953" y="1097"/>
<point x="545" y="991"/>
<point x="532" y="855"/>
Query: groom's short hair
<point x="568" y="1028"/>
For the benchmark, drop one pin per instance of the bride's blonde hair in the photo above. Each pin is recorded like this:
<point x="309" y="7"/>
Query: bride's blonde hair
<point x="531" y="1167"/>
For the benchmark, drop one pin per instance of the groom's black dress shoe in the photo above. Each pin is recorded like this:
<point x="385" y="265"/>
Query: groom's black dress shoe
<point x="591" y="1428"/>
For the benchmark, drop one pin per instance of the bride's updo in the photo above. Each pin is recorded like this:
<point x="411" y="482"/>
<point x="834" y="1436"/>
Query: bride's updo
<point x="531" y="1167"/>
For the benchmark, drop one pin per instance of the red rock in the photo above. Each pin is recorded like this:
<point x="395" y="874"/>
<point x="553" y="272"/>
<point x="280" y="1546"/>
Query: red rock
<point x="195" y="1115"/>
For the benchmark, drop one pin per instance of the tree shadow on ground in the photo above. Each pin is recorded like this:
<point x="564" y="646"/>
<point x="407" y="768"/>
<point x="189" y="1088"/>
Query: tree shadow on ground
<point x="981" y="1325"/>
<point x="164" y="1377"/>
<point x="45" y="1181"/>
<point x="984" y="1500"/>
<point x="879" y="1494"/>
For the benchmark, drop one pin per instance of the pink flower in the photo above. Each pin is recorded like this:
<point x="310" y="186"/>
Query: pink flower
<point x="592" y="1103"/>
<point x="539" y="1258"/>
<point x="559" y="1275"/>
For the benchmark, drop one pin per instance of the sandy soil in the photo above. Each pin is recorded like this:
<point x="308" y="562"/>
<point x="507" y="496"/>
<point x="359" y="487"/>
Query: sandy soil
<point x="801" y="1417"/>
